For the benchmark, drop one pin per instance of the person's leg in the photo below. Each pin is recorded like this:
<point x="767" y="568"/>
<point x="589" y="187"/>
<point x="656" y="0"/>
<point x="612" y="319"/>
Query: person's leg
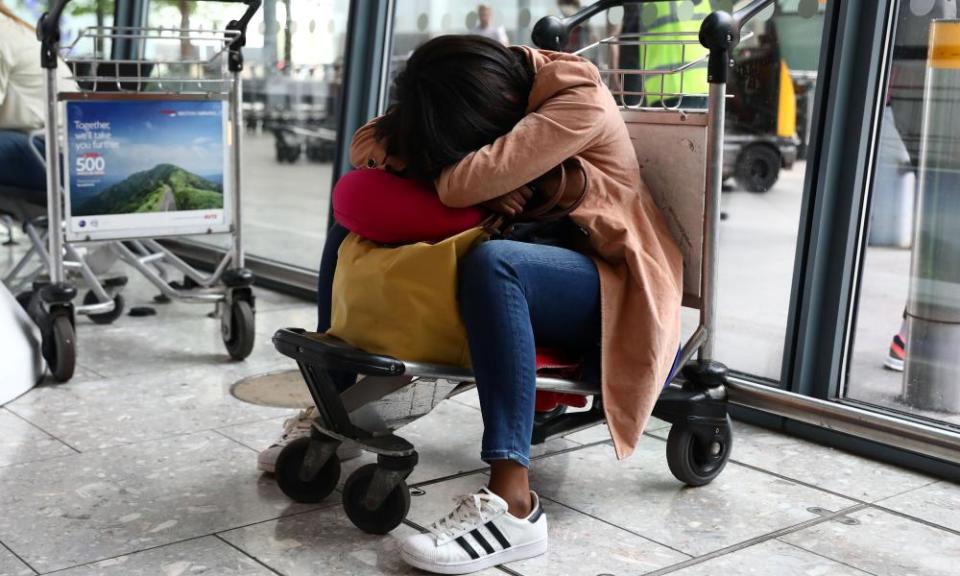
<point x="20" y="167"/>
<point x="513" y="297"/>
<point x="299" y="426"/>
<point x="328" y="265"/>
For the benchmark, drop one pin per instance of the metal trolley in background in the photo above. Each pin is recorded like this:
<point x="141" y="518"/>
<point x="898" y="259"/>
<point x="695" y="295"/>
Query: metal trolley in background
<point x="142" y="75"/>
<point x="681" y="156"/>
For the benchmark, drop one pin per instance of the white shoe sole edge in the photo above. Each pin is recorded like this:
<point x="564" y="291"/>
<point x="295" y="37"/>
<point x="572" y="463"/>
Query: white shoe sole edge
<point x="512" y="554"/>
<point x="893" y="364"/>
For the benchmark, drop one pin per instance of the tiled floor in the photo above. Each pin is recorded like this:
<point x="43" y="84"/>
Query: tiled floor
<point x="144" y="464"/>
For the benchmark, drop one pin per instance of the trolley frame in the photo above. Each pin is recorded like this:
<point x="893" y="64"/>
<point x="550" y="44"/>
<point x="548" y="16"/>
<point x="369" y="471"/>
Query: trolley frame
<point x="229" y="286"/>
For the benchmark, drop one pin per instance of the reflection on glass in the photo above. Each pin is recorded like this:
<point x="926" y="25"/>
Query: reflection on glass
<point x="907" y="331"/>
<point x="291" y="100"/>
<point x="773" y="85"/>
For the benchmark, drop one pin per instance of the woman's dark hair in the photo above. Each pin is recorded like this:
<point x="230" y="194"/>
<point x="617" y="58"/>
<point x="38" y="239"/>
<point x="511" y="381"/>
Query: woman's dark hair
<point x="456" y="95"/>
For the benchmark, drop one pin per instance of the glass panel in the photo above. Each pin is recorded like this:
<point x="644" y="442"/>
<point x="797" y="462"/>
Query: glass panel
<point x="773" y="85"/>
<point x="906" y="346"/>
<point x="291" y="101"/>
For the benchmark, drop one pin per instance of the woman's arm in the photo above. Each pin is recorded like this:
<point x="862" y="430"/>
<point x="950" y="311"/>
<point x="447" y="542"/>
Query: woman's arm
<point x="565" y="125"/>
<point x="365" y="150"/>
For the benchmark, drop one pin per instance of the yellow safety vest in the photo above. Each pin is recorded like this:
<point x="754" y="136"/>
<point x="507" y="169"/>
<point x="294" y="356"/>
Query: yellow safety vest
<point x="673" y="56"/>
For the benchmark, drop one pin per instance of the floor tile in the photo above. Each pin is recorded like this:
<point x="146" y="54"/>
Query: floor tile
<point x="883" y="544"/>
<point x="600" y="432"/>
<point x="257" y="435"/>
<point x="152" y="346"/>
<point x="640" y="495"/>
<point x="208" y="556"/>
<point x="579" y="545"/>
<point x="771" y="557"/>
<point x="20" y="442"/>
<point x="324" y="542"/>
<point x="110" y="412"/>
<point x="11" y="566"/>
<point x="938" y="503"/>
<point x="98" y="505"/>
<point x="824" y="467"/>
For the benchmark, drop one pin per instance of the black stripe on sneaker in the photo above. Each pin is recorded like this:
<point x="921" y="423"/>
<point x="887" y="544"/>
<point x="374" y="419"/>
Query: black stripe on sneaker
<point x="481" y="540"/>
<point x="468" y="548"/>
<point x="497" y="534"/>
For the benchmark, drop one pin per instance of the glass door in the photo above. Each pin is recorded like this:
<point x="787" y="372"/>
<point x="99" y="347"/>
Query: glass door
<point x="291" y="104"/>
<point x="904" y="342"/>
<point x="767" y="142"/>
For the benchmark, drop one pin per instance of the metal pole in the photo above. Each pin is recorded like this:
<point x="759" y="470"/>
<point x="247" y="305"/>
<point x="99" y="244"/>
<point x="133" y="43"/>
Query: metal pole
<point x="932" y="369"/>
<point x="711" y="217"/>
<point x="54" y="208"/>
<point x="236" y="121"/>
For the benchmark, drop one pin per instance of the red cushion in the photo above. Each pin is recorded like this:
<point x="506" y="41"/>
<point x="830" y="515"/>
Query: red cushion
<point x="557" y="364"/>
<point x="386" y="208"/>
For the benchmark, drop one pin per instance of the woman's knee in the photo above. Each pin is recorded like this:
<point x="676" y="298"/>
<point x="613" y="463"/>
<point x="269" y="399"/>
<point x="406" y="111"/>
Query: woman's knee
<point x="485" y="266"/>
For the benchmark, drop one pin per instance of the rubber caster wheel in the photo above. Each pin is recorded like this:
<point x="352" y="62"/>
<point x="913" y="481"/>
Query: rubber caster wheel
<point x="758" y="168"/>
<point x="107" y="317"/>
<point x="693" y="461"/>
<point x="239" y="341"/>
<point x="287" y="473"/>
<point x="63" y="356"/>
<point x="381" y="520"/>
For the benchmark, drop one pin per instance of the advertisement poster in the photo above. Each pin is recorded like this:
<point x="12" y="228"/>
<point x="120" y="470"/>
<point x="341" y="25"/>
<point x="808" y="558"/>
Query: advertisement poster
<point x="146" y="168"/>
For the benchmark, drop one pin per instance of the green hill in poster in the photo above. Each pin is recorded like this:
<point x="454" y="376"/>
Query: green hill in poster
<point x="163" y="188"/>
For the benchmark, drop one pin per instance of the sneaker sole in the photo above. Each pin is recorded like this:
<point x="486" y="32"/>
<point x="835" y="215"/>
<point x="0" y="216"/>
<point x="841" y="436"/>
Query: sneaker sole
<point x="512" y="554"/>
<point x="893" y="364"/>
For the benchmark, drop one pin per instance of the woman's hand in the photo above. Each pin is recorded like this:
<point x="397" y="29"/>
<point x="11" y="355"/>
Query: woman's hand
<point x="511" y="203"/>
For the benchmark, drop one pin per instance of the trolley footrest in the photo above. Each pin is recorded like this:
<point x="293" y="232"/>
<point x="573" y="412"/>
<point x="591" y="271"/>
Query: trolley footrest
<point x="331" y="353"/>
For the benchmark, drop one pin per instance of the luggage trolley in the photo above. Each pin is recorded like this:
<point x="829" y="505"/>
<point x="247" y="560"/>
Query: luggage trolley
<point x="681" y="156"/>
<point x="147" y="84"/>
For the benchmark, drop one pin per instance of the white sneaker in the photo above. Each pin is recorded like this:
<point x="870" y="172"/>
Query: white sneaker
<point x="478" y="534"/>
<point x="294" y="428"/>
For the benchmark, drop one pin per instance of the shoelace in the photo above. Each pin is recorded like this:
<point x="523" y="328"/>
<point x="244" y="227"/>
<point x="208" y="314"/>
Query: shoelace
<point x="300" y="422"/>
<point x="463" y="518"/>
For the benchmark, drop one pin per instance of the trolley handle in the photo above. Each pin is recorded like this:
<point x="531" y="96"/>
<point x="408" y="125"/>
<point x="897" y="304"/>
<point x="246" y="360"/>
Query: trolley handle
<point x="719" y="32"/>
<point x="48" y="32"/>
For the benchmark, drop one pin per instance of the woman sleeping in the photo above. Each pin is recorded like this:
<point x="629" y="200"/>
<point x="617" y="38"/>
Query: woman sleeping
<point x="482" y="121"/>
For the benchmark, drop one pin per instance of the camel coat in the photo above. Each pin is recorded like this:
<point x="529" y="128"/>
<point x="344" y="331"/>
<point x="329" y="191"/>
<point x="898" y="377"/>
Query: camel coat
<point x="570" y="112"/>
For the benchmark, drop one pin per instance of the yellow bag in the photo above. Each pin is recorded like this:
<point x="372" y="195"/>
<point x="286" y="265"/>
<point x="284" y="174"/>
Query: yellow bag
<point x="402" y="301"/>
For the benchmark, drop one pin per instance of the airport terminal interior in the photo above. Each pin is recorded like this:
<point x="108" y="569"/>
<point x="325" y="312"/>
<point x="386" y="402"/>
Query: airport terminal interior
<point x="134" y="415"/>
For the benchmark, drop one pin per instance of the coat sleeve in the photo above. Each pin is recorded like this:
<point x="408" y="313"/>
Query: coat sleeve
<point x="565" y="124"/>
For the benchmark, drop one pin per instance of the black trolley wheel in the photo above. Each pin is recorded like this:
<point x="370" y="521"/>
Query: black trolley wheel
<point x="287" y="473"/>
<point x="758" y="168"/>
<point x="383" y="519"/>
<point x="240" y="341"/>
<point x="107" y="317"/>
<point x="693" y="461"/>
<point x="63" y="356"/>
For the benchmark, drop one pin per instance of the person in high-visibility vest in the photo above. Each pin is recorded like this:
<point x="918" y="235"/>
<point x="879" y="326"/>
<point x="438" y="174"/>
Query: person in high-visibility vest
<point x="667" y="22"/>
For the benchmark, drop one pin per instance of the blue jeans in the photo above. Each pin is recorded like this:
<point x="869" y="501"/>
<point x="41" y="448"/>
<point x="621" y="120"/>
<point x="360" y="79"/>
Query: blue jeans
<point x="513" y="297"/>
<point x="20" y="168"/>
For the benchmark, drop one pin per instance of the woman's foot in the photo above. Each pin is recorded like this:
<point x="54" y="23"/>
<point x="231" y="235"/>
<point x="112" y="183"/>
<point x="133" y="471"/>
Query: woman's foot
<point x="897" y="353"/>
<point x="479" y="533"/>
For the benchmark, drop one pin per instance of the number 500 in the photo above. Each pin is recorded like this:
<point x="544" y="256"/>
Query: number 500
<point x="90" y="164"/>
